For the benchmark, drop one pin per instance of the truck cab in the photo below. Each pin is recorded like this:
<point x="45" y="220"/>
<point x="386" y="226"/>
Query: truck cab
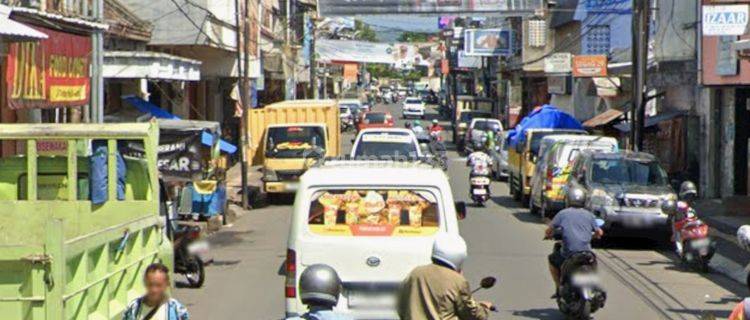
<point x="286" y="138"/>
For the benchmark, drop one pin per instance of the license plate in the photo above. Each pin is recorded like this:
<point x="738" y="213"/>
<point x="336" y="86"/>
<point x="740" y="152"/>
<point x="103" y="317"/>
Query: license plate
<point x="371" y="300"/>
<point x="479" y="192"/>
<point x="700" y="243"/>
<point x="480" y="181"/>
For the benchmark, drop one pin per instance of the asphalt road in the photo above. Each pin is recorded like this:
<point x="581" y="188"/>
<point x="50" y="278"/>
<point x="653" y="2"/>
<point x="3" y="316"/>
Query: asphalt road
<point x="642" y="278"/>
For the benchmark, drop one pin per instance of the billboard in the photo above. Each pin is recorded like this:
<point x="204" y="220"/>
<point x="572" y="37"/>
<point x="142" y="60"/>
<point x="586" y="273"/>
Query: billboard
<point x="51" y="73"/>
<point x="435" y="7"/>
<point x="469" y="62"/>
<point x="400" y="55"/>
<point x="487" y="42"/>
<point x="590" y="66"/>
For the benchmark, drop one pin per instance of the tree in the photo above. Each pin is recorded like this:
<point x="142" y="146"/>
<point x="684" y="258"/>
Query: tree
<point x="410" y="36"/>
<point x="364" y="32"/>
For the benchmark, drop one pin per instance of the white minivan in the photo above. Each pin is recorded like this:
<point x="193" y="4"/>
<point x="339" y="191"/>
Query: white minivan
<point x="373" y="222"/>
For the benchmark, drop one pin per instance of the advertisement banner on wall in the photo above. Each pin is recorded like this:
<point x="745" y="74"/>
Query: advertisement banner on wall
<point x="725" y="20"/>
<point x="558" y="63"/>
<point x="590" y="66"/>
<point x="487" y="42"/>
<point x="438" y="7"/>
<point x="51" y="73"/>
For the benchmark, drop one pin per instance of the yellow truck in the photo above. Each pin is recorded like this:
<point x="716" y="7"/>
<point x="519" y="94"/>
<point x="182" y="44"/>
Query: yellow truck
<point x="522" y="159"/>
<point x="286" y="138"/>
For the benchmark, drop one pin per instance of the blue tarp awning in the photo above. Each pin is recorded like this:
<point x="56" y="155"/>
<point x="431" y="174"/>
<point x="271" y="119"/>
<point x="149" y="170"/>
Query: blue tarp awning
<point x="150" y="108"/>
<point x="547" y="116"/>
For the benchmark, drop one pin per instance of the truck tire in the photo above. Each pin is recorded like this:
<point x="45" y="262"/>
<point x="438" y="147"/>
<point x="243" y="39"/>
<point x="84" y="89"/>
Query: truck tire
<point x="515" y="188"/>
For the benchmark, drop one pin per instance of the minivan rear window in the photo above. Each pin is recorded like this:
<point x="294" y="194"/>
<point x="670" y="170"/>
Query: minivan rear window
<point x="374" y="212"/>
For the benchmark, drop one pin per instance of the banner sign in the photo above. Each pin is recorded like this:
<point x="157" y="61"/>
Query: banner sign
<point x="487" y="42"/>
<point x="466" y="61"/>
<point x="590" y="66"/>
<point x="558" y="63"/>
<point x="725" y="20"/>
<point x="400" y="55"/>
<point x="437" y="7"/>
<point x="50" y="73"/>
<point x="179" y="153"/>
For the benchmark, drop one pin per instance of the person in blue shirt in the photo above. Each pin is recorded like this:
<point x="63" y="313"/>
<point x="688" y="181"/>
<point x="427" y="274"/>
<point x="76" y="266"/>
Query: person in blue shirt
<point x="156" y="303"/>
<point x="320" y="287"/>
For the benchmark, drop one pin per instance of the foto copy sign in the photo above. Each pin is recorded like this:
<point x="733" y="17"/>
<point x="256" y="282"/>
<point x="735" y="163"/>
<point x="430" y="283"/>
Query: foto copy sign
<point x="725" y="20"/>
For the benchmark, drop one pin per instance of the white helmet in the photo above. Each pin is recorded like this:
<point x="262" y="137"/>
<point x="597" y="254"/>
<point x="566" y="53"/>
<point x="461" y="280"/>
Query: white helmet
<point x="743" y="236"/>
<point x="449" y="250"/>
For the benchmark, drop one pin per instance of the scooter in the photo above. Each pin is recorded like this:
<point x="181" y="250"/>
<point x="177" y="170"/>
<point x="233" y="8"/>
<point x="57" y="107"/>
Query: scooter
<point x="479" y="181"/>
<point x="697" y="246"/>
<point x="189" y="249"/>
<point x="580" y="293"/>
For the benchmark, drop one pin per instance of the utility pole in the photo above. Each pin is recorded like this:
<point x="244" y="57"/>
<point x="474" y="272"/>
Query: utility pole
<point x="639" y="69"/>
<point x="313" y="62"/>
<point x="242" y="85"/>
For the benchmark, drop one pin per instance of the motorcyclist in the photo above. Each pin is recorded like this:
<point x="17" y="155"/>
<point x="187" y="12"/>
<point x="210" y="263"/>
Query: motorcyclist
<point x="407" y="125"/>
<point x="436" y="127"/>
<point x="577" y="227"/>
<point x="479" y="162"/>
<point x="320" y="287"/>
<point x="439" y="290"/>
<point x="417" y="127"/>
<point x="681" y="210"/>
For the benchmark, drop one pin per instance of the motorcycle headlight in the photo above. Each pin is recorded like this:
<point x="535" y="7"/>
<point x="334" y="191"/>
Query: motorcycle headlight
<point x="600" y="197"/>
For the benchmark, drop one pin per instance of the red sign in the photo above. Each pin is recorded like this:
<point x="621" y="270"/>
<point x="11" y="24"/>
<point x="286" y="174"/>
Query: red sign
<point x="590" y="66"/>
<point x="51" y="73"/>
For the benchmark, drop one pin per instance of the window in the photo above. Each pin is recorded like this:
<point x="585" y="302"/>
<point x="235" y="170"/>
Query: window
<point x="374" y="212"/>
<point x="597" y="40"/>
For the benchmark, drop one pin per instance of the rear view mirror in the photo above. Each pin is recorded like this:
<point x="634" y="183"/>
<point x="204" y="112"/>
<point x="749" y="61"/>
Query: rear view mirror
<point x="487" y="282"/>
<point x="461" y="210"/>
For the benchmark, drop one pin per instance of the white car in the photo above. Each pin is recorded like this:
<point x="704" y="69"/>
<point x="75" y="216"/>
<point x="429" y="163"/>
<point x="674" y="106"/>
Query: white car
<point x="390" y="143"/>
<point x="477" y="130"/>
<point x="413" y="107"/>
<point x="371" y="221"/>
<point x="353" y="103"/>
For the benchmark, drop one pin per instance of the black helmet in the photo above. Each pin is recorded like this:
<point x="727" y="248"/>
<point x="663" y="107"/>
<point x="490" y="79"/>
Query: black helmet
<point x="319" y="285"/>
<point x="576" y="197"/>
<point x="688" y="190"/>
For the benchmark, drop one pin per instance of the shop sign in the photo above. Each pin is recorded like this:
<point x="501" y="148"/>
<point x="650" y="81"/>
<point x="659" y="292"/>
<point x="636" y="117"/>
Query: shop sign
<point x="607" y="86"/>
<point x="558" y="84"/>
<point x="465" y="61"/>
<point x="487" y="42"/>
<point x="50" y="73"/>
<point x="590" y="66"/>
<point x="725" y="20"/>
<point x="727" y="63"/>
<point x="558" y="63"/>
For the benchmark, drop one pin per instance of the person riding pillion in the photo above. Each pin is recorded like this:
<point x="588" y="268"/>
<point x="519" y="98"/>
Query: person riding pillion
<point x="577" y="227"/>
<point x="320" y="287"/>
<point x="439" y="290"/>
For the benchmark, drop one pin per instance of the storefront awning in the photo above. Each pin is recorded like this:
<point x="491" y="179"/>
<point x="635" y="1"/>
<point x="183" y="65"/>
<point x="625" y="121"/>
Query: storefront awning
<point x="603" y="118"/>
<point x="159" y="113"/>
<point x="652" y="121"/>
<point x="17" y="31"/>
<point x="150" y="65"/>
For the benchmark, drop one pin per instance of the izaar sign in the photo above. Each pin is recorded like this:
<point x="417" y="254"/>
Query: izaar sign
<point x="725" y="20"/>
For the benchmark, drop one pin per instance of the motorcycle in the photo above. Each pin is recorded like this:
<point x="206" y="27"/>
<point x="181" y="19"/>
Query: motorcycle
<point x="580" y="293"/>
<point x="697" y="246"/>
<point x="479" y="181"/>
<point x="347" y="124"/>
<point x="189" y="249"/>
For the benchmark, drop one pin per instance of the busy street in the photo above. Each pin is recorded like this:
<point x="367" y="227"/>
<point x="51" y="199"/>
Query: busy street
<point x="643" y="279"/>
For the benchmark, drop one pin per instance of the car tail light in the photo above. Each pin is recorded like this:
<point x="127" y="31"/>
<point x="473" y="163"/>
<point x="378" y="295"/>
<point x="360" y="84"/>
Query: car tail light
<point x="290" y="289"/>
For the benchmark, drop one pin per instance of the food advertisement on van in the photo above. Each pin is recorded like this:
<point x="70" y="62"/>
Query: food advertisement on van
<point x="395" y="213"/>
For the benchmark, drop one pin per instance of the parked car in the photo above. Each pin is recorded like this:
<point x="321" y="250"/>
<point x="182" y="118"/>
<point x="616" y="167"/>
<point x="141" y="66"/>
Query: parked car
<point x="405" y="207"/>
<point x="553" y="167"/>
<point x="477" y="130"/>
<point x="626" y="190"/>
<point x="500" y="157"/>
<point x="375" y="119"/>
<point x="412" y="107"/>
<point x="386" y="143"/>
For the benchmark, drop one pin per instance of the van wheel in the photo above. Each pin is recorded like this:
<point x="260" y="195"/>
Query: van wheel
<point x="514" y="189"/>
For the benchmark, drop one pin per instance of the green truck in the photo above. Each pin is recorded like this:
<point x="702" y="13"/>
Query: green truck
<point x="63" y="256"/>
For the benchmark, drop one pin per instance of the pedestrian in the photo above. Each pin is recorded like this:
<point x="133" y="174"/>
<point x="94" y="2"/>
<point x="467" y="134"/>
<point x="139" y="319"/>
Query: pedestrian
<point x="156" y="303"/>
<point x="439" y="290"/>
<point x="742" y="310"/>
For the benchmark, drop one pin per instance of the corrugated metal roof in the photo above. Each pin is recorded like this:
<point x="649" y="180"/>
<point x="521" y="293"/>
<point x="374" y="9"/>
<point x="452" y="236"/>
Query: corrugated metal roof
<point x="59" y="17"/>
<point x="17" y="30"/>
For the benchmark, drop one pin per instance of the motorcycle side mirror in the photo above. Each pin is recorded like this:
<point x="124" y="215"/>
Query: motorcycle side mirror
<point x="599" y="223"/>
<point x="487" y="282"/>
<point x="461" y="210"/>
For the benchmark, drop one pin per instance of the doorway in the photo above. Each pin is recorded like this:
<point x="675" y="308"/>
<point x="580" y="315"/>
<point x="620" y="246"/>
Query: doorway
<point x="741" y="135"/>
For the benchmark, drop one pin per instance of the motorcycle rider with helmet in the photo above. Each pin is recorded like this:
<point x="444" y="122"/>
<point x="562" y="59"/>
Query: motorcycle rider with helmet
<point x="439" y="290"/>
<point x="320" y="287"/>
<point x="577" y="226"/>
<point x="680" y="210"/>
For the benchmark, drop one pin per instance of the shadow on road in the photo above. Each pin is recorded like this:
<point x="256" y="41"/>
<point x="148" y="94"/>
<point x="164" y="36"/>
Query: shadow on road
<point x="704" y="314"/>
<point x="542" y="314"/>
<point x="230" y="237"/>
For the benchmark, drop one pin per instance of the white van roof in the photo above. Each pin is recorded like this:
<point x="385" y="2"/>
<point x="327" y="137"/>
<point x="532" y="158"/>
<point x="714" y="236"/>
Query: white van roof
<point x="375" y="173"/>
